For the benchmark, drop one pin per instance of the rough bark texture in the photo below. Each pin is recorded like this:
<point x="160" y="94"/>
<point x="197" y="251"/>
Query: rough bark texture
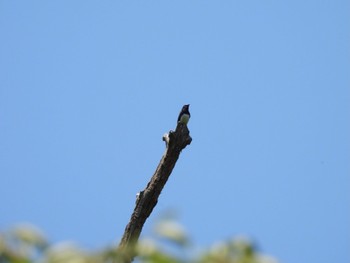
<point x="148" y="198"/>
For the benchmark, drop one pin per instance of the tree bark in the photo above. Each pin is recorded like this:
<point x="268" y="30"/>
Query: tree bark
<point x="147" y="199"/>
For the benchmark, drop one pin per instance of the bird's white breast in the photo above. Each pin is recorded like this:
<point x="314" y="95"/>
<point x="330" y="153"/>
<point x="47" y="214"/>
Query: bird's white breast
<point x="184" y="118"/>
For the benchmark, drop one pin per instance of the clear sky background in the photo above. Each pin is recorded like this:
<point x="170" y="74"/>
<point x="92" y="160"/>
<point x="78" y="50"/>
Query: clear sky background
<point x="88" y="88"/>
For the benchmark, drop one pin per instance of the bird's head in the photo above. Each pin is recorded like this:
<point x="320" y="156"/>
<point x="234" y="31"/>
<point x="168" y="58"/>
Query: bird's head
<point x="186" y="107"/>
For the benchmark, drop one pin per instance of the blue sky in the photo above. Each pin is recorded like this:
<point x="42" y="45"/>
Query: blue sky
<point x="88" y="88"/>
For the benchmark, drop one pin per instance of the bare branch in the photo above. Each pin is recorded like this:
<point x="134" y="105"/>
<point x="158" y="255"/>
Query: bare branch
<point x="148" y="198"/>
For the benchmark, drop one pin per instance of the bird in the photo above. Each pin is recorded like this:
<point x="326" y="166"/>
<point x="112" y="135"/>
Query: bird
<point x="184" y="115"/>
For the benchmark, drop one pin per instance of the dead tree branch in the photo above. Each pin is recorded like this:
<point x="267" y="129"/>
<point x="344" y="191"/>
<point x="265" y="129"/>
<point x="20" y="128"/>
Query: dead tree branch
<point x="147" y="199"/>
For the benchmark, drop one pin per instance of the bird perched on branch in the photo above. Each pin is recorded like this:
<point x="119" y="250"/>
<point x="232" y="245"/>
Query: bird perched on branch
<point x="184" y="115"/>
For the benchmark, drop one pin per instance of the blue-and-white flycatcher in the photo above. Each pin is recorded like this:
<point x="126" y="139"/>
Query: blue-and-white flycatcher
<point x="184" y="115"/>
